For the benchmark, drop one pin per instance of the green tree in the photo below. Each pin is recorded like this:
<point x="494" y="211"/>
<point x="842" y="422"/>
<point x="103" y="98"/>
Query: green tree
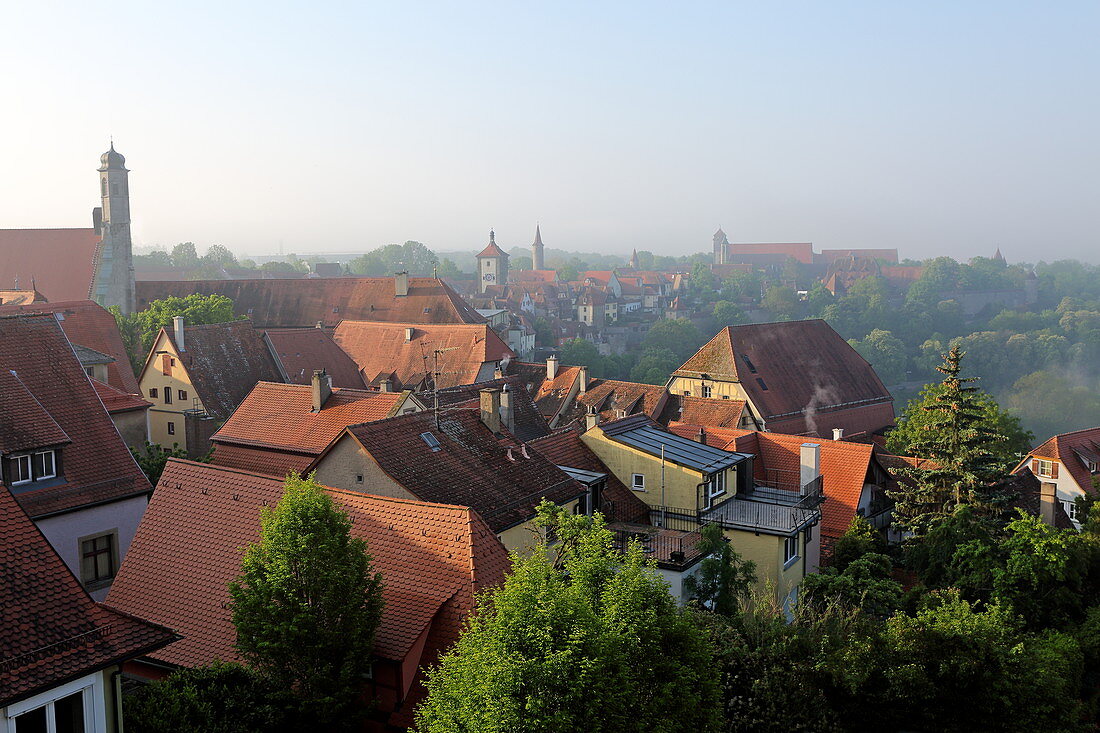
<point x="677" y="335"/>
<point x="961" y="447"/>
<point x="727" y="313"/>
<point x="219" y="256"/>
<point x="447" y="268"/>
<point x="307" y="603"/>
<point x="139" y="329"/>
<point x="885" y="352"/>
<point x="385" y="261"/>
<point x="861" y="538"/>
<point x="151" y="458"/>
<point x="723" y="580"/>
<point x="781" y="302"/>
<point x="579" y="352"/>
<point x="863" y="584"/>
<point x="579" y="637"/>
<point x="185" y="255"/>
<point x="219" y="698"/>
<point x="655" y="366"/>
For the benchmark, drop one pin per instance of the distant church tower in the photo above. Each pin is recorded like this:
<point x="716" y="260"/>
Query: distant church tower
<point x="537" y="262"/>
<point x="114" y="272"/>
<point x="634" y="259"/>
<point x="492" y="264"/>
<point x="721" y="245"/>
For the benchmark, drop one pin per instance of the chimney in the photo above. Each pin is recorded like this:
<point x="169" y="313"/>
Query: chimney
<point x="584" y="379"/>
<point x="551" y="367"/>
<point x="401" y="283"/>
<point x="385" y="385"/>
<point x="810" y="454"/>
<point x="322" y="388"/>
<point x="702" y="436"/>
<point x="409" y="330"/>
<point x="507" y="410"/>
<point x="177" y="328"/>
<point x="838" y="433"/>
<point x="1048" y="502"/>
<point x="490" y="409"/>
<point x="498" y="372"/>
<point x="591" y="419"/>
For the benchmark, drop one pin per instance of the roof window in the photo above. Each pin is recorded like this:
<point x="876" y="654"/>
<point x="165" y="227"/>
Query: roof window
<point x="431" y="440"/>
<point x="752" y="367"/>
<point x="761" y="383"/>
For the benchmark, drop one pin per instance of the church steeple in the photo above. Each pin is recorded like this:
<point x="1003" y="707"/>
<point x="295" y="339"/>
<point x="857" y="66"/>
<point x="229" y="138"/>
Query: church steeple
<point x="114" y="276"/>
<point x="537" y="262"/>
<point x="634" y="259"/>
<point x="721" y="244"/>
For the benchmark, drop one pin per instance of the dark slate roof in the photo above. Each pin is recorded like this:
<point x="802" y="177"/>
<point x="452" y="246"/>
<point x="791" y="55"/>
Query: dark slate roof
<point x="472" y="467"/>
<point x="643" y="434"/>
<point x="530" y="424"/>
<point x="224" y="362"/>
<point x="51" y="631"/>
<point x="302" y="351"/>
<point x="97" y="465"/>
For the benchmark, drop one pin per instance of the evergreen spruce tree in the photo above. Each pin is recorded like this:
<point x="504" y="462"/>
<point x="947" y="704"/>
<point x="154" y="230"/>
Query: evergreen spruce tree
<point x="961" y="447"/>
<point x="307" y="605"/>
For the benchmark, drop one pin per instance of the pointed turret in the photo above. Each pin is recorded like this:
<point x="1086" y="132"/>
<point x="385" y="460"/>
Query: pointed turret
<point x="721" y="243"/>
<point x="634" y="259"/>
<point x="537" y="262"/>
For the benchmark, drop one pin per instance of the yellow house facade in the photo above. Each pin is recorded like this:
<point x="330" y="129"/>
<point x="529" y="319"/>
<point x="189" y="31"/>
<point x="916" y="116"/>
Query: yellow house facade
<point x="689" y="484"/>
<point x="166" y="383"/>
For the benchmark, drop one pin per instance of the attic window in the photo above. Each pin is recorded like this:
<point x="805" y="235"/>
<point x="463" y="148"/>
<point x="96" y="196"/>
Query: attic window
<point x="761" y="383"/>
<point x="428" y="309"/>
<point x="336" y="309"/>
<point x="752" y="367"/>
<point x="249" y="311"/>
<point x="431" y="441"/>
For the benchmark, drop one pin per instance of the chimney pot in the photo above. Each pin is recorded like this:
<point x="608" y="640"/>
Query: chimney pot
<point x="810" y="469"/>
<point x="321" y="386"/>
<point x="591" y="419"/>
<point x="401" y="283"/>
<point x="551" y="367"/>
<point x="838" y="433"/>
<point x="409" y="331"/>
<point x="177" y="328"/>
<point x="385" y="385"/>
<point x="490" y="409"/>
<point x="507" y="409"/>
<point x="510" y="456"/>
<point x="584" y="379"/>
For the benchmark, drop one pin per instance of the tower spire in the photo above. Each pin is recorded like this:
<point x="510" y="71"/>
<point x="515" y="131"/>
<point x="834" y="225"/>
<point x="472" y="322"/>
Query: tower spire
<point x="537" y="262"/>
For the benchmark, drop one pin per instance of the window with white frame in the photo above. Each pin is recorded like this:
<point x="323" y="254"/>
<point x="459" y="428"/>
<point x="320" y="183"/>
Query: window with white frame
<point x="637" y="482"/>
<point x="19" y="469"/>
<point x="706" y="391"/>
<point x="790" y="550"/>
<point x="76" y="707"/>
<point x="1046" y="469"/>
<point x="716" y="484"/>
<point x="1071" y="509"/>
<point x="45" y="465"/>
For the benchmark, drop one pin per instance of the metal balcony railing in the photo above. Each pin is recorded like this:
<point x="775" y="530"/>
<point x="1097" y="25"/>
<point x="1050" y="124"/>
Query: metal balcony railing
<point x="767" y="510"/>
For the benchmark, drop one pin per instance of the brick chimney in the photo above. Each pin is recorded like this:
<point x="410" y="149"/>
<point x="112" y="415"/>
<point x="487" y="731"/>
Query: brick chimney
<point x="507" y="410"/>
<point x="838" y="433"/>
<point x="551" y="367"/>
<point x="321" y="386"/>
<point x="177" y="333"/>
<point x="385" y="385"/>
<point x="401" y="283"/>
<point x="810" y="455"/>
<point x="490" y="409"/>
<point x="1048" y="502"/>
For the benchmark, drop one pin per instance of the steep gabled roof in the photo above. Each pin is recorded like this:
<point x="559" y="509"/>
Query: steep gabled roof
<point x="302" y="351"/>
<point x="801" y="251"/>
<point x="790" y="369"/>
<point x="530" y="423"/>
<point x="26" y="422"/>
<point x="59" y="262"/>
<point x="433" y="559"/>
<point x="471" y="467"/>
<point x="97" y="465"/>
<point x="703" y="411"/>
<point x="305" y="302"/>
<point x="380" y="347"/>
<point x="51" y="630"/>
<point x="224" y="362"/>
<point x="1071" y="450"/>
<point x="280" y="417"/>
<point x="116" y="401"/>
<point x="89" y="324"/>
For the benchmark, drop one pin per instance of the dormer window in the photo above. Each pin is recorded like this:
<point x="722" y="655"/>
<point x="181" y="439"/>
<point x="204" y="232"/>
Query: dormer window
<point x="30" y="467"/>
<point x="20" y="467"/>
<point x="44" y="465"/>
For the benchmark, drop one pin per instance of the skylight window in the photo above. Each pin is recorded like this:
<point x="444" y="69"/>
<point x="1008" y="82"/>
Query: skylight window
<point x="761" y="383"/>
<point x="752" y="367"/>
<point x="430" y="440"/>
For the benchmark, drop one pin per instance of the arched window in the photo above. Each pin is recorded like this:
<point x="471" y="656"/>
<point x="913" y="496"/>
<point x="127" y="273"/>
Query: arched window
<point x="104" y="182"/>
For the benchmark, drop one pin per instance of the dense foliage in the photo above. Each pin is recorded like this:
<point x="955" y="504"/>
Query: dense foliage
<point x="151" y="459"/>
<point x="579" y="637"/>
<point x="140" y="329"/>
<point x="307" y="604"/>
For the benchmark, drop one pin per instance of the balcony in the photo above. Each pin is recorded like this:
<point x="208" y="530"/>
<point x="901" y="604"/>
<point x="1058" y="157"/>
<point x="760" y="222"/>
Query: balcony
<point x="671" y="549"/>
<point x="765" y="510"/>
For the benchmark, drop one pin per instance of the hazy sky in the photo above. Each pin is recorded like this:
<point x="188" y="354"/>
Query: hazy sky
<point x="935" y="127"/>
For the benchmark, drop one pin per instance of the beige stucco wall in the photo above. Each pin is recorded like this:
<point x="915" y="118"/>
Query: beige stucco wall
<point x="346" y="461"/>
<point x="133" y="426"/>
<point x="681" y="483"/>
<point x="767" y="552"/>
<point x="160" y="414"/>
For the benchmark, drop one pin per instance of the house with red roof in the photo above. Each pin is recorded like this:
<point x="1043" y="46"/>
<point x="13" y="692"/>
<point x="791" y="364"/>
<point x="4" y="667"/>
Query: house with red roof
<point x="62" y="457"/>
<point x="60" y="651"/>
<point x="1067" y="465"/>
<point x="417" y="356"/>
<point x="454" y="456"/>
<point x="433" y="558"/>
<point x="195" y="376"/>
<point x="519" y="414"/>
<point x="283" y="428"/>
<point x="299" y="352"/>
<point x="796" y="377"/>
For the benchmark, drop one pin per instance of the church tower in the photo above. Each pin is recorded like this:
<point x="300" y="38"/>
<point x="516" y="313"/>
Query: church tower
<point x="537" y="262"/>
<point x="721" y="245"/>
<point x="114" y="272"/>
<point x="634" y="259"/>
<point x="492" y="264"/>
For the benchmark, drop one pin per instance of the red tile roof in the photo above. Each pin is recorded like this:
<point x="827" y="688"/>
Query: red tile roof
<point x="471" y="468"/>
<point x="801" y="251"/>
<point x="97" y="465"/>
<point x="224" y="362"/>
<point x="309" y="301"/>
<point x="59" y="262"/>
<point x="89" y="324"/>
<point x="1071" y="450"/>
<point x="703" y="411"/>
<point x="302" y="351"/>
<point x="433" y="558"/>
<point x="279" y="419"/>
<point x="844" y="467"/>
<point x="522" y="276"/>
<point x="829" y="256"/>
<point x="26" y="422"/>
<point x="565" y="448"/>
<point x="609" y="397"/>
<point x="51" y="631"/>
<point x="466" y="350"/>
<point x="794" y="372"/>
<point x="116" y="400"/>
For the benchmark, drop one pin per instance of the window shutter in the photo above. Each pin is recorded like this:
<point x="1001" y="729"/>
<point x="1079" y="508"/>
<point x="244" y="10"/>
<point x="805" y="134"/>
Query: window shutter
<point x="1035" y="466"/>
<point x="1054" y="469"/>
<point x="166" y="365"/>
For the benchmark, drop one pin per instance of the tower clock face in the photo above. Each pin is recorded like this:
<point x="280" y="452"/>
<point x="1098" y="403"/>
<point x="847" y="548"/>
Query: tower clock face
<point x="489" y="277"/>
